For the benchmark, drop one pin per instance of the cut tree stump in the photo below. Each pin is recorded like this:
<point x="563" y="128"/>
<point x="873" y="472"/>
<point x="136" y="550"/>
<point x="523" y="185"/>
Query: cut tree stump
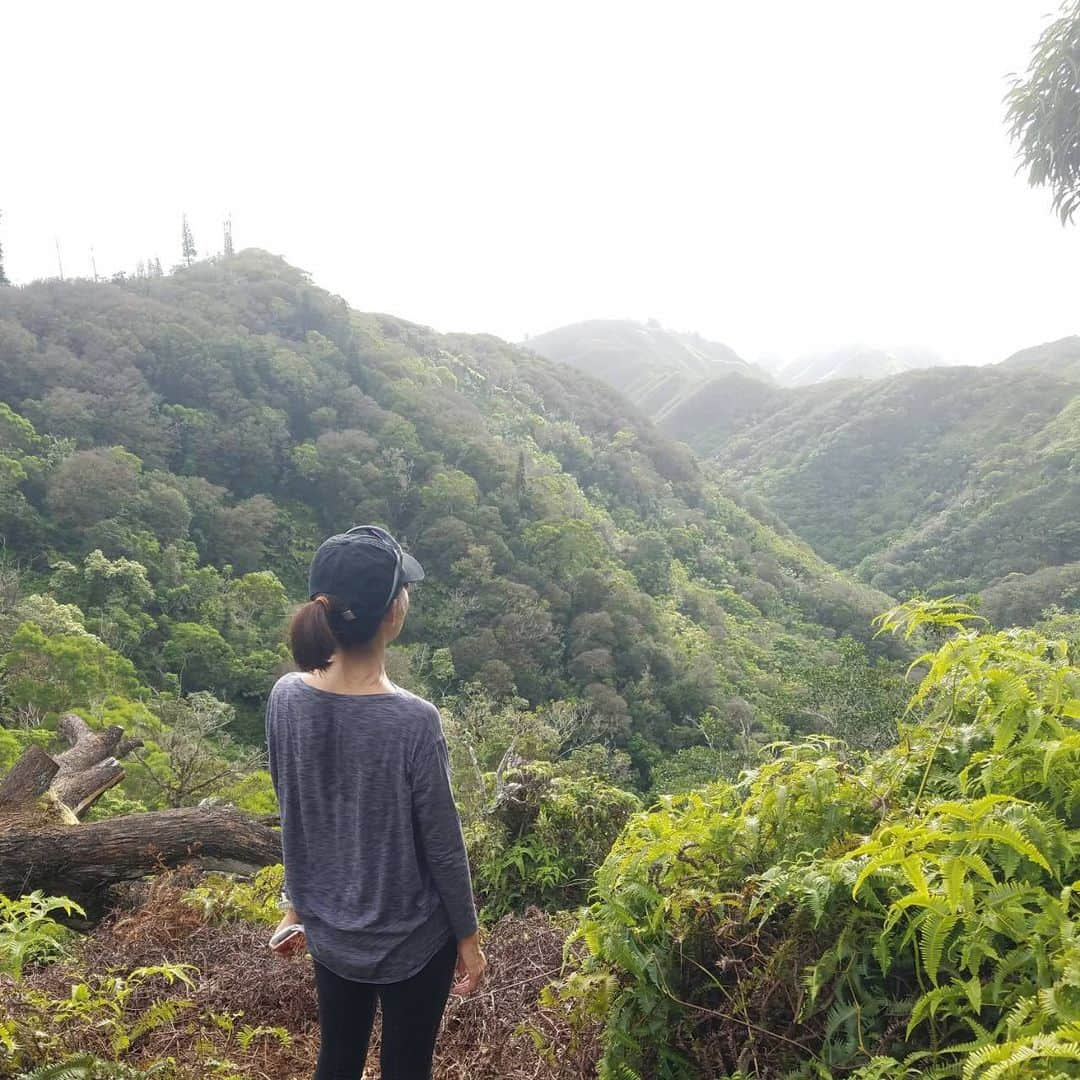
<point x="44" y="846"/>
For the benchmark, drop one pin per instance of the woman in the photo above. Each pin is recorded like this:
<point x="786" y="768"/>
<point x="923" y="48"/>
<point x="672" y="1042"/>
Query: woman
<point x="375" y="863"/>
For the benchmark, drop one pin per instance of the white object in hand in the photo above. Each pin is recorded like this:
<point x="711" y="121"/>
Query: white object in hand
<point x="286" y="932"/>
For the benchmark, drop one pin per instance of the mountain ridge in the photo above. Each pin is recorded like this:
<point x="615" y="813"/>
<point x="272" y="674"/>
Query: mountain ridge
<point x="883" y="475"/>
<point x="221" y="420"/>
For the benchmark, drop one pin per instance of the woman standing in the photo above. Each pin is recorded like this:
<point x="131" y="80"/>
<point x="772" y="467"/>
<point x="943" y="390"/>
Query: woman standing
<point x="375" y="862"/>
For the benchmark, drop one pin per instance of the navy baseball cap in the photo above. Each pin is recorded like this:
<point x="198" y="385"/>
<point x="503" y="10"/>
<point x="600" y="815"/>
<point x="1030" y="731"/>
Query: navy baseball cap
<point x="362" y="570"/>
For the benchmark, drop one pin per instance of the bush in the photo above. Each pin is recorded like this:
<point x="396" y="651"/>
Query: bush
<point x="29" y="933"/>
<point x="543" y="839"/>
<point x="222" y="898"/>
<point x="830" y="915"/>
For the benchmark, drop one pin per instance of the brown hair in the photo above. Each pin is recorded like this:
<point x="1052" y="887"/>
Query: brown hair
<point x="318" y="630"/>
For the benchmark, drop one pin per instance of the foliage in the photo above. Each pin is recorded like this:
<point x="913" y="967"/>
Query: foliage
<point x="224" y="899"/>
<point x="178" y="445"/>
<point x="543" y="838"/>
<point x="910" y="914"/>
<point x="89" y="1067"/>
<point x="64" y="671"/>
<point x="193" y="755"/>
<point x="943" y="481"/>
<point x="115" y="1009"/>
<point x="27" y="931"/>
<point x="1044" y="112"/>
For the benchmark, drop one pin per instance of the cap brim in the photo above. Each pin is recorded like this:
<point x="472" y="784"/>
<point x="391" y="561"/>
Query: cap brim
<point x="411" y="570"/>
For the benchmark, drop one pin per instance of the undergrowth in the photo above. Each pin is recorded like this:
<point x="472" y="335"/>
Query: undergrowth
<point x="830" y="915"/>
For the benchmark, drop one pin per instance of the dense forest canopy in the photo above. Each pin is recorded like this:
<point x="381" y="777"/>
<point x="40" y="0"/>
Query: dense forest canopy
<point x="947" y="480"/>
<point x="943" y="480"/>
<point x="176" y="447"/>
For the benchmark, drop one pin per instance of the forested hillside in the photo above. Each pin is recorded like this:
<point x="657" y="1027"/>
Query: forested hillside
<point x="176" y="447"/>
<point x="604" y="629"/>
<point x="1061" y="357"/>
<point x="946" y="480"/>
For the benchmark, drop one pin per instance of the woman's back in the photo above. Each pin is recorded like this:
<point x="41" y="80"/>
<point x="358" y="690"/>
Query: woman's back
<point x="370" y="834"/>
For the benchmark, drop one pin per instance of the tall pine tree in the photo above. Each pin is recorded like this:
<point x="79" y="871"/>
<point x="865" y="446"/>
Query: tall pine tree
<point x="3" y="276"/>
<point x="188" y="243"/>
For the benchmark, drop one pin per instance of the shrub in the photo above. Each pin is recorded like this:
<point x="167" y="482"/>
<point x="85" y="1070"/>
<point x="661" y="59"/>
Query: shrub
<point x="543" y="839"/>
<point x="29" y="933"/>
<point x="222" y="898"/>
<point x="833" y="915"/>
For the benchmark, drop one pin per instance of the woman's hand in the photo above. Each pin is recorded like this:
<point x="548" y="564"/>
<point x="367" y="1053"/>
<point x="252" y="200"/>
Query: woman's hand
<point x="471" y="965"/>
<point x="293" y="944"/>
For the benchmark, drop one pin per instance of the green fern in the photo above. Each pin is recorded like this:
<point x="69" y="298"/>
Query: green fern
<point x="89" y="1067"/>
<point x="910" y="915"/>
<point x="247" y="1035"/>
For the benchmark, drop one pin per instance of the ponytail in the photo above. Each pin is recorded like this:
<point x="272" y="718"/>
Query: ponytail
<point x="311" y="639"/>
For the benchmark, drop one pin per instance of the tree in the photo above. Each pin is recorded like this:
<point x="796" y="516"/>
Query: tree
<point x="187" y="242"/>
<point x="199" y="654"/>
<point x="563" y="549"/>
<point x="64" y="671"/>
<point x="3" y="276"/>
<point x="1044" y="112"/>
<point x="194" y="753"/>
<point x="92" y="485"/>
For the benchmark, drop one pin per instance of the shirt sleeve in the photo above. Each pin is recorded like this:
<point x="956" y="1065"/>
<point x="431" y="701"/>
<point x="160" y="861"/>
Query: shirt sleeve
<point x="272" y="765"/>
<point x="437" y="822"/>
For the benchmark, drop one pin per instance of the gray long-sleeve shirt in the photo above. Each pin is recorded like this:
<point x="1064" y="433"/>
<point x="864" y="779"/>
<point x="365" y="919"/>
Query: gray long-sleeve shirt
<point x="375" y="862"/>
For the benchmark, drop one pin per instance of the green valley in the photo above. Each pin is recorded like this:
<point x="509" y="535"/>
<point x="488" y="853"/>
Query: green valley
<point x="177" y="447"/>
<point x="945" y="480"/>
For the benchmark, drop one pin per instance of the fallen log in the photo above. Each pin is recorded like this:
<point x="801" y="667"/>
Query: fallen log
<point x="43" y="787"/>
<point x="85" y="861"/>
<point x="44" y="846"/>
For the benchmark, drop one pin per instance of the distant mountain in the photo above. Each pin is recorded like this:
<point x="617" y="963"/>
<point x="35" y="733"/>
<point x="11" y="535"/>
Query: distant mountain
<point x="721" y="407"/>
<point x="701" y="391"/>
<point x="852" y="362"/>
<point x="1061" y="357"/>
<point x="946" y="480"/>
<point x="656" y="368"/>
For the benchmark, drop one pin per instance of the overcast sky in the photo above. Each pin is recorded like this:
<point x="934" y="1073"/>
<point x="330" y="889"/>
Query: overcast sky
<point x="781" y="176"/>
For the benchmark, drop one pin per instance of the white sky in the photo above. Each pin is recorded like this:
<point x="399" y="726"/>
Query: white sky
<point x="781" y="176"/>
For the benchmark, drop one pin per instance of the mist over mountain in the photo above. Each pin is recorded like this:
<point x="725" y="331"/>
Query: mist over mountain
<point x="852" y="362"/>
<point x="654" y="367"/>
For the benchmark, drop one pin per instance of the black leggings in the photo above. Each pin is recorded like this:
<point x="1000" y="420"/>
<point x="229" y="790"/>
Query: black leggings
<point x="411" y="1012"/>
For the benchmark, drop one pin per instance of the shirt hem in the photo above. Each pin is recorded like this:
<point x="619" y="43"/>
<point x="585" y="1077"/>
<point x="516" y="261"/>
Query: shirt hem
<point x="387" y="982"/>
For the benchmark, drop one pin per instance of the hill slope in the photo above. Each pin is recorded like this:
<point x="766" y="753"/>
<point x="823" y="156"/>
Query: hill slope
<point x="938" y="479"/>
<point x="1061" y="357"/>
<point x="947" y="479"/>
<point x="196" y="430"/>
